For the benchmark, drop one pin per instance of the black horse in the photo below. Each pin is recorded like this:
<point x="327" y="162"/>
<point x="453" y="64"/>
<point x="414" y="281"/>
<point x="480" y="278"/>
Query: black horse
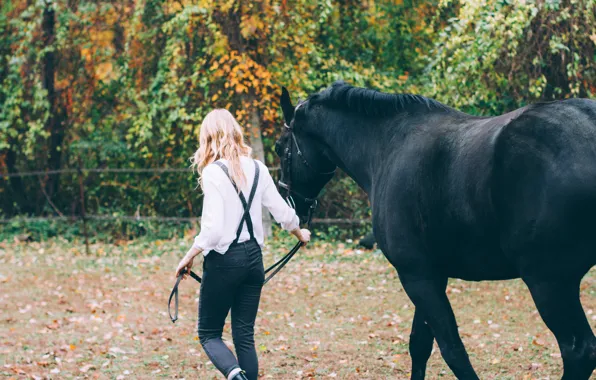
<point x="454" y="195"/>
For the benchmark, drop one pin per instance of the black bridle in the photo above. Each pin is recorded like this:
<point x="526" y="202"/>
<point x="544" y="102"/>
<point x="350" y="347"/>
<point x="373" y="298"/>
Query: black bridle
<point x="285" y="183"/>
<point x="286" y="186"/>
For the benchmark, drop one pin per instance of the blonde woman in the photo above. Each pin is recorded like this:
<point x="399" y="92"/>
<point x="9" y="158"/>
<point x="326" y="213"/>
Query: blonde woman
<point x="235" y="187"/>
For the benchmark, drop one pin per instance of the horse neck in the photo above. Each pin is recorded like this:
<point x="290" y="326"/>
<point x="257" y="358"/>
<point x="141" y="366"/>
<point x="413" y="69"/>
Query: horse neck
<point x="361" y="145"/>
<point x="355" y="148"/>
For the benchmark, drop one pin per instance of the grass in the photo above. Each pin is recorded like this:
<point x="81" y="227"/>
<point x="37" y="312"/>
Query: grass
<point x="332" y="312"/>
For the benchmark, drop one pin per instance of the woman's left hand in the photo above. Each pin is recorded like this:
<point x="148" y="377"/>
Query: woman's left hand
<point x="185" y="264"/>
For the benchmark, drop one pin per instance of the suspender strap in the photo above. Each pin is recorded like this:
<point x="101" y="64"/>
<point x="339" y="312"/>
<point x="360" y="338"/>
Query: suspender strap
<point x="251" y="197"/>
<point x="246" y="205"/>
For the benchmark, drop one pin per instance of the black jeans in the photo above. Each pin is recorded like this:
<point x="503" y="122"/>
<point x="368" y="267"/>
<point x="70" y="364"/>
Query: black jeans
<point x="231" y="281"/>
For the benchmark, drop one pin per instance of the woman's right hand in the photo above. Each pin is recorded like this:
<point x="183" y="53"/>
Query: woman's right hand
<point x="304" y="236"/>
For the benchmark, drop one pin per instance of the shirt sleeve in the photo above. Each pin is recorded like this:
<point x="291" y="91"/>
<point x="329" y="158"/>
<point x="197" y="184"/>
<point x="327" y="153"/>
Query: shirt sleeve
<point x="212" y="218"/>
<point x="282" y="213"/>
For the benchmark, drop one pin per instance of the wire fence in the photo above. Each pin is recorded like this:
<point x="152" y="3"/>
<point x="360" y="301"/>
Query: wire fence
<point x="101" y="170"/>
<point x="173" y="219"/>
<point x="85" y="217"/>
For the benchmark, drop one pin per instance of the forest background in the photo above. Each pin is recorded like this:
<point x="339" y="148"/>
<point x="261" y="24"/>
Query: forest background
<point x="125" y="84"/>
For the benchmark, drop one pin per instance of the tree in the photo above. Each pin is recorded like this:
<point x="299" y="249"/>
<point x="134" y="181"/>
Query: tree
<point x="126" y="84"/>
<point x="500" y="55"/>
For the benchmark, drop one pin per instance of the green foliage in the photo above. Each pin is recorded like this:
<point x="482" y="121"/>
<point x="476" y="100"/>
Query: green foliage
<point x="133" y="80"/>
<point x="23" y="101"/>
<point x="102" y="231"/>
<point x="500" y="55"/>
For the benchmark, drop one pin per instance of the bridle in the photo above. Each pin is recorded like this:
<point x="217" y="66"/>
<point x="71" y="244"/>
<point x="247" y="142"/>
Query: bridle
<point x="285" y="183"/>
<point x="287" y="187"/>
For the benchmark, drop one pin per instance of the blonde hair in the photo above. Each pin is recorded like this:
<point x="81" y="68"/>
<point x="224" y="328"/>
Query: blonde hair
<point x="221" y="137"/>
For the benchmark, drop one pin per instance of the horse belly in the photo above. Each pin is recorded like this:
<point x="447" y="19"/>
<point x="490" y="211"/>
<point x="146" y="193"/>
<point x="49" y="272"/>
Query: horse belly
<point x="480" y="264"/>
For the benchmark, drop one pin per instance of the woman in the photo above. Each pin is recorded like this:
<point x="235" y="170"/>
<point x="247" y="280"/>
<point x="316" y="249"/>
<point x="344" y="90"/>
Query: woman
<point x="231" y="241"/>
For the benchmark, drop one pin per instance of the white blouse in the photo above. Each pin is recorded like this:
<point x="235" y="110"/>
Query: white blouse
<point x="222" y="209"/>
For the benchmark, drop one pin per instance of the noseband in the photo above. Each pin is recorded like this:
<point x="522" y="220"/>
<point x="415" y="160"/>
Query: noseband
<point x="285" y="182"/>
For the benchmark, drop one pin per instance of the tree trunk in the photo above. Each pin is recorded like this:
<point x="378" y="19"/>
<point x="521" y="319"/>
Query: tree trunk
<point x="15" y="198"/>
<point x="256" y="142"/>
<point x="54" y="124"/>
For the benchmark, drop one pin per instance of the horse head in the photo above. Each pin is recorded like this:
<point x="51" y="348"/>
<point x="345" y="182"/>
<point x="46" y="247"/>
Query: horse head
<point x="305" y="168"/>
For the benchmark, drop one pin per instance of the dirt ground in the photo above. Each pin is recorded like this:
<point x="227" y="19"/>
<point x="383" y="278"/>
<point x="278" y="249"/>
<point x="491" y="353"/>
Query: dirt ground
<point x="333" y="312"/>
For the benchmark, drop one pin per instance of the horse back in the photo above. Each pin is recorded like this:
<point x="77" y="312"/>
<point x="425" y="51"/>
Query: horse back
<point x="473" y="193"/>
<point x="544" y="185"/>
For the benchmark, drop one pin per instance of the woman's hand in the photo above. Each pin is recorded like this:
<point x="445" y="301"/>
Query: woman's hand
<point x="302" y="234"/>
<point x="305" y="236"/>
<point x="184" y="265"/>
<point x="187" y="262"/>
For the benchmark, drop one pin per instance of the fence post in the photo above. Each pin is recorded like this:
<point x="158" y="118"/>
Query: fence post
<point x="83" y="213"/>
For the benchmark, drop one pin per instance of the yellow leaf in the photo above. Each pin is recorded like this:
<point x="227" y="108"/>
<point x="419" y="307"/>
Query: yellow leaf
<point x="104" y="71"/>
<point x="538" y="342"/>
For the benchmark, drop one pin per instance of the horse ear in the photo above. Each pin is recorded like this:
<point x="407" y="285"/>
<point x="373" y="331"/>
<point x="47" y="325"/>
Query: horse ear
<point x="286" y="106"/>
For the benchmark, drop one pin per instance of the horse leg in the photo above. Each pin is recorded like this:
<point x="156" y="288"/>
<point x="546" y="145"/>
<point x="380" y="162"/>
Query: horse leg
<point x="421" y="342"/>
<point x="431" y="301"/>
<point x="559" y="306"/>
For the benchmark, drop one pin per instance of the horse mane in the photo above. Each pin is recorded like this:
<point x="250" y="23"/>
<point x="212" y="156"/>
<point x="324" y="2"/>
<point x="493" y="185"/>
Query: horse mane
<point x="345" y="97"/>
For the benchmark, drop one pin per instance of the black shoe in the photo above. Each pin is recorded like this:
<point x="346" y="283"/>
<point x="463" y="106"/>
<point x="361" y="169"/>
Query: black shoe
<point x="240" y="376"/>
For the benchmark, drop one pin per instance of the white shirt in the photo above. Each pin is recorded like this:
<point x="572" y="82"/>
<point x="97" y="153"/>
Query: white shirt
<point x="222" y="209"/>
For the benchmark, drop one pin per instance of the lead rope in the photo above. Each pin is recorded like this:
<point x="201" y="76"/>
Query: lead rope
<point x="174" y="293"/>
<point x="279" y="265"/>
<point x="284" y="260"/>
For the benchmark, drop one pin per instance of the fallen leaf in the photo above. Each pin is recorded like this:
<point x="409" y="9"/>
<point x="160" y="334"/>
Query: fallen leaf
<point x="86" y="368"/>
<point x="534" y="366"/>
<point x="538" y="342"/>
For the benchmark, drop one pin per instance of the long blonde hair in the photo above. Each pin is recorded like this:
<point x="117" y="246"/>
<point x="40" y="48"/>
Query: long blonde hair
<point x="221" y="137"/>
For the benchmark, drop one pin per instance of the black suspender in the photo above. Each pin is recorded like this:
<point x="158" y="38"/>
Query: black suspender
<point x="246" y="205"/>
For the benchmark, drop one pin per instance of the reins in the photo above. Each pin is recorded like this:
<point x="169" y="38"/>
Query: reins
<point x="275" y="268"/>
<point x="174" y="293"/>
